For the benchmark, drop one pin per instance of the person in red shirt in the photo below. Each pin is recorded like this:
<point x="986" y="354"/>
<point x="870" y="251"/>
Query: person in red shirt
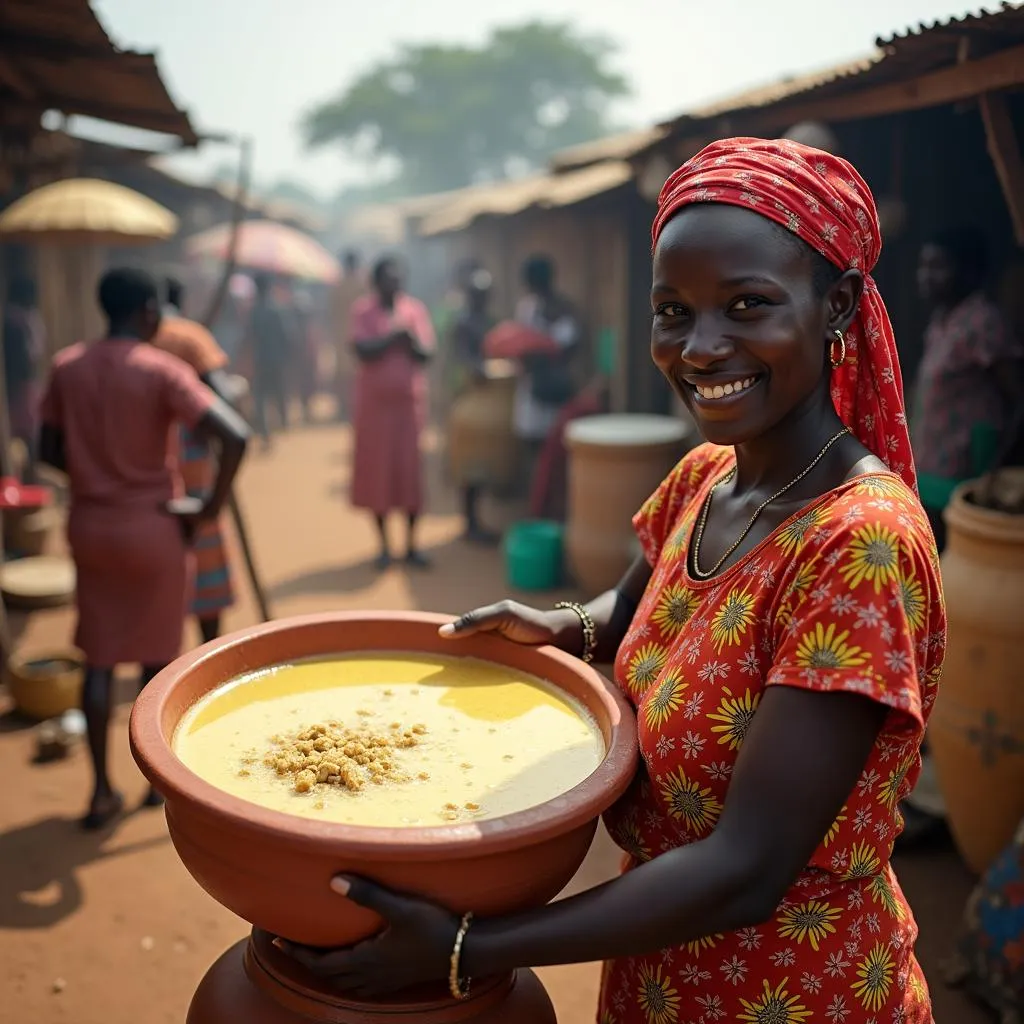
<point x="109" y="418"/>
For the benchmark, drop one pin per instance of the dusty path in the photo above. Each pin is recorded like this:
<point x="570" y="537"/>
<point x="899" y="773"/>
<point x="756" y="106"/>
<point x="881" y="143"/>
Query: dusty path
<point x="111" y="929"/>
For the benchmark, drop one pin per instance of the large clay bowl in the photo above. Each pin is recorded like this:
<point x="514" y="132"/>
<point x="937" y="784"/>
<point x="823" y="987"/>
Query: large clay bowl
<point x="273" y="869"/>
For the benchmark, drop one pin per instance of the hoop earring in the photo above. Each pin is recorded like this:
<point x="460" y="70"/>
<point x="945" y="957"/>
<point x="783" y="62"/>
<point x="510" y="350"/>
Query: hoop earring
<point x="836" y="363"/>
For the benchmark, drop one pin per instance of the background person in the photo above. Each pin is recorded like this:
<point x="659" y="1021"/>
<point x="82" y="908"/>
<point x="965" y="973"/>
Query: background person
<point x="107" y="416"/>
<point x="393" y="339"/>
<point x="195" y="345"/>
<point x="343" y="296"/>
<point x="24" y="344"/>
<point x="971" y="379"/>
<point x="472" y="323"/>
<point x="546" y="384"/>
<point x="272" y="348"/>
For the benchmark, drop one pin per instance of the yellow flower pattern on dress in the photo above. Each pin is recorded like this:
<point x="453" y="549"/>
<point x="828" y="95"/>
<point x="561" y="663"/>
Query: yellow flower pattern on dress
<point x="912" y="595"/>
<point x="734" y="716"/>
<point x="659" y="1000"/>
<point x="863" y="862"/>
<point x="664" y="698"/>
<point x="776" y="1006"/>
<point x="733" y="618"/>
<point x="834" y="828"/>
<point x="810" y="922"/>
<point x="704" y="942"/>
<point x="874" y="555"/>
<point x="675" y="609"/>
<point x="796" y="592"/>
<point x="824" y="647"/>
<point x="792" y="537"/>
<point x="844" y="596"/>
<point x="880" y="487"/>
<point x="874" y="978"/>
<point x="890" y="792"/>
<point x="690" y="802"/>
<point x="882" y="893"/>
<point x="645" y="667"/>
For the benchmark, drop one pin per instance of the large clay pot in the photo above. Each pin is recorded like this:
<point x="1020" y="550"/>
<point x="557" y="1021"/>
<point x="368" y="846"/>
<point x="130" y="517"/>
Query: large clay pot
<point x="615" y="463"/>
<point x="273" y="869"/>
<point x="977" y="727"/>
<point x="253" y="983"/>
<point x="482" y="448"/>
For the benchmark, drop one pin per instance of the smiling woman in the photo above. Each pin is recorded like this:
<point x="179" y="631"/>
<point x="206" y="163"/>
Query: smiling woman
<point x="781" y="639"/>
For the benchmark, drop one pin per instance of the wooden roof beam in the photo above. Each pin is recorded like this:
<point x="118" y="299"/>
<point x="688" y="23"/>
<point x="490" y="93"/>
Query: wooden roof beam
<point x="1004" y="149"/>
<point x="966" y="80"/>
<point x="27" y="46"/>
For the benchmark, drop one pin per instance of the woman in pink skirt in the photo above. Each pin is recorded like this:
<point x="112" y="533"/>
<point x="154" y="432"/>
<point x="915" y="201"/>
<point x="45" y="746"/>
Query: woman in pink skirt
<point x="393" y="339"/>
<point x="109" y="420"/>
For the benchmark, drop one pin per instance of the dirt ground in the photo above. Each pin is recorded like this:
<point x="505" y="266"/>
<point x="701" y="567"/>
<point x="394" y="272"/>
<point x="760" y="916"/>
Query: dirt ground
<point x="110" y="928"/>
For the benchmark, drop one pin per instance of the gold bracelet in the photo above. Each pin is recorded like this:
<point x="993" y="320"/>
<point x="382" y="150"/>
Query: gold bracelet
<point x="589" y="628"/>
<point x="458" y="986"/>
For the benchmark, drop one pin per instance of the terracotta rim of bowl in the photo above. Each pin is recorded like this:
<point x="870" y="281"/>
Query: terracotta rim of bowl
<point x="582" y="803"/>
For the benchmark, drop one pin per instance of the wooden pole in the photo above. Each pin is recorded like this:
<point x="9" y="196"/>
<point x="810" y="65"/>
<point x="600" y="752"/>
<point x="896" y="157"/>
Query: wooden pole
<point x="1004" y="149"/>
<point x="230" y="262"/>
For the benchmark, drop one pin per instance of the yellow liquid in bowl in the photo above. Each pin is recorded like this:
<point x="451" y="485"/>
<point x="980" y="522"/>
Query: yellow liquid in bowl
<point x="488" y="741"/>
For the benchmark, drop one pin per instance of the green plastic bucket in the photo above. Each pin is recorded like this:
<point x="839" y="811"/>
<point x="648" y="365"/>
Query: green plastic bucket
<point x="533" y="555"/>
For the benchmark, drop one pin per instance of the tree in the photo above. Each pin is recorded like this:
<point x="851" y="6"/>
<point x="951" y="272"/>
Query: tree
<point x="449" y="116"/>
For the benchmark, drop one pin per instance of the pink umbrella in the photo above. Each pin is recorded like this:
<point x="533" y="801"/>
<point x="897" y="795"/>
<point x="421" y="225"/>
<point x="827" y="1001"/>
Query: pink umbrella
<point x="269" y="247"/>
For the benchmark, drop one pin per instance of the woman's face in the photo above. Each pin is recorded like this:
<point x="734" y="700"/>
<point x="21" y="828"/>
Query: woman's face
<point x="936" y="274"/>
<point x="738" y="329"/>
<point x="389" y="280"/>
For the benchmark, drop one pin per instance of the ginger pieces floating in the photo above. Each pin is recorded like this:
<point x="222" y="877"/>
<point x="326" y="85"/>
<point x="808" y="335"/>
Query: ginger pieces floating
<point x="332" y="755"/>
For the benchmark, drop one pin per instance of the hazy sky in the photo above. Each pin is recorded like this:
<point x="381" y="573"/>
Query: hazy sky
<point x="254" y="66"/>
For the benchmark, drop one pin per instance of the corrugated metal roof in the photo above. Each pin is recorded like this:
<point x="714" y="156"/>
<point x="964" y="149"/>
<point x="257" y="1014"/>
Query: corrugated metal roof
<point x="783" y="88"/>
<point x="541" y="191"/>
<point x="900" y="57"/>
<point x="983" y="20"/>
<point x="57" y="56"/>
<point x="612" y="147"/>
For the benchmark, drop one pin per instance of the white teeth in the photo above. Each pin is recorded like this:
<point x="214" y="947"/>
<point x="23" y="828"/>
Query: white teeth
<point x="722" y="390"/>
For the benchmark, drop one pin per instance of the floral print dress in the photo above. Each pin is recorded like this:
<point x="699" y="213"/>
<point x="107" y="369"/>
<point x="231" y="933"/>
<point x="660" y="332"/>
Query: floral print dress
<point x="844" y="596"/>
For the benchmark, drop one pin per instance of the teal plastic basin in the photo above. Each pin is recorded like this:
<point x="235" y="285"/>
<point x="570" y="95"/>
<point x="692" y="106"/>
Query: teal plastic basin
<point x="533" y="555"/>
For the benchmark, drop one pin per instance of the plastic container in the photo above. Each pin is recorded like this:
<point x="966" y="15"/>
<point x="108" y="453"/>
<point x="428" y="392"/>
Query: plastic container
<point x="533" y="555"/>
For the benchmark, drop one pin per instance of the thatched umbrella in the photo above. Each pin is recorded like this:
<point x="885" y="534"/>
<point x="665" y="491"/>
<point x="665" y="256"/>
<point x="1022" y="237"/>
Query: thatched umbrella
<point x="89" y="210"/>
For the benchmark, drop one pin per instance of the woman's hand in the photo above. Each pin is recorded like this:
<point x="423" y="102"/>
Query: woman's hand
<point x="415" y="947"/>
<point x="520" y="624"/>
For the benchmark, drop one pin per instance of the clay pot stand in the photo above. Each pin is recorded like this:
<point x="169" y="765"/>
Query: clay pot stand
<point x="255" y="982"/>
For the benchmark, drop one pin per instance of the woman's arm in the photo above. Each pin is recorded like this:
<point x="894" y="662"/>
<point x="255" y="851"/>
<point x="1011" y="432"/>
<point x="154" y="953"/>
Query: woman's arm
<point x="612" y="613"/>
<point x="222" y="424"/>
<point x="798" y="765"/>
<point x="369" y="349"/>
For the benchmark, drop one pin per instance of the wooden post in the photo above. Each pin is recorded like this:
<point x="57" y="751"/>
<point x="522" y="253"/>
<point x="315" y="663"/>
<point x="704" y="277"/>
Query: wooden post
<point x="1004" y="149"/>
<point x="230" y="260"/>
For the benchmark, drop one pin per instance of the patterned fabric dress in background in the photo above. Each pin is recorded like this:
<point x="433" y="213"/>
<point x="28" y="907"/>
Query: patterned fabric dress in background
<point x="844" y="596"/>
<point x="195" y="345"/>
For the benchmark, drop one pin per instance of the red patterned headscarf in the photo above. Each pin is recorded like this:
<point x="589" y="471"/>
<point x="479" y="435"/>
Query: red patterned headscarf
<point x="824" y="201"/>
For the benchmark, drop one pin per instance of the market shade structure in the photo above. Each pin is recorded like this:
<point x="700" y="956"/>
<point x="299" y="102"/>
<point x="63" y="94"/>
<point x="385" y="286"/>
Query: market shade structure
<point x="267" y="246"/>
<point x="86" y="210"/>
